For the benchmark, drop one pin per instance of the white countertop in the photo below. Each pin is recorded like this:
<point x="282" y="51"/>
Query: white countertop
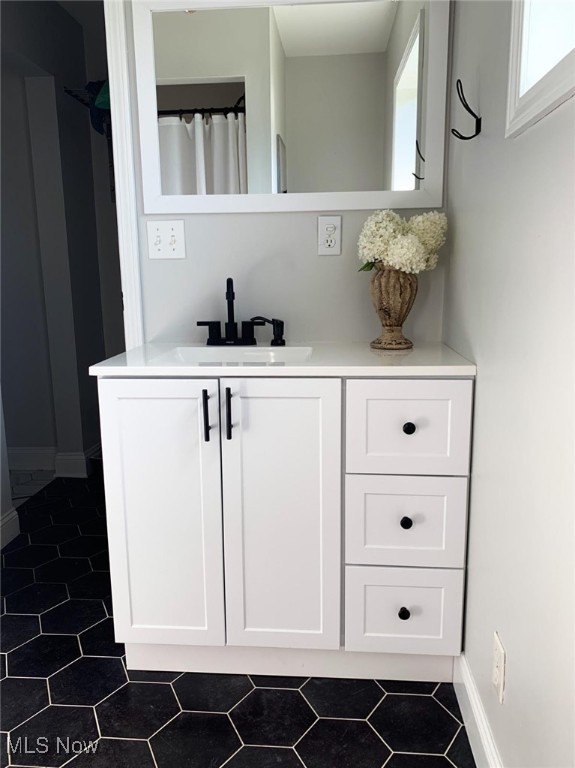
<point x="307" y="359"/>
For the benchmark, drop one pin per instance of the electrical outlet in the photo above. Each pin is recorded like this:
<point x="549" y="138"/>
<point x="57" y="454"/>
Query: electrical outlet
<point x="498" y="668"/>
<point x="329" y="235"/>
<point x="166" y="239"/>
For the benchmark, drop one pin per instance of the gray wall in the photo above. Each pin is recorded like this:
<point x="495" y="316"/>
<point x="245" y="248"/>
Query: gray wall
<point x="509" y="307"/>
<point x="50" y="43"/>
<point x="334" y="107"/>
<point x="26" y="377"/>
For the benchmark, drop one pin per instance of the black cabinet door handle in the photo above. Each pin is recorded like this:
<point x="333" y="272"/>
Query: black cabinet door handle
<point x="406" y="523"/>
<point x="205" y="398"/>
<point x="404" y="614"/>
<point x="228" y="413"/>
<point x="409" y="428"/>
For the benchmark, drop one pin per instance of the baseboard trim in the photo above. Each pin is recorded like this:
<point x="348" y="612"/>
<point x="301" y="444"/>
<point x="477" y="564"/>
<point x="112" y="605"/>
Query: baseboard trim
<point x="479" y="731"/>
<point x="23" y="459"/>
<point x="75" y="464"/>
<point x="9" y="527"/>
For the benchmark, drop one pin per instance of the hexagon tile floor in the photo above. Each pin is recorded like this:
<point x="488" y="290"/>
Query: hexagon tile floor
<point x="67" y="699"/>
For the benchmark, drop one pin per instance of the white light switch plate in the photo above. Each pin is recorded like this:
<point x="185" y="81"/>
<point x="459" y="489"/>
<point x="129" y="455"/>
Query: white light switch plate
<point x="329" y="235"/>
<point x="166" y="239"/>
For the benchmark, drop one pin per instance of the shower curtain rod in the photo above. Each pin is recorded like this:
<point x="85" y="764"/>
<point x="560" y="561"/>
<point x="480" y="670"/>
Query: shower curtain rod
<point x="201" y="111"/>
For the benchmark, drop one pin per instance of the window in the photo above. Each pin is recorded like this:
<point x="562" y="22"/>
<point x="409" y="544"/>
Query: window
<point x="542" y="60"/>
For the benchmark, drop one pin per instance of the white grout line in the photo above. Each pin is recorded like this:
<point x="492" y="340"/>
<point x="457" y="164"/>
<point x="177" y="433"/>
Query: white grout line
<point x="231" y="709"/>
<point x="163" y="726"/>
<point x="235" y="729"/>
<point x="305" y="733"/>
<point x="376" y="706"/>
<point x="449" y="712"/>
<point x="379" y="736"/>
<point x="232" y="756"/>
<point x="452" y="740"/>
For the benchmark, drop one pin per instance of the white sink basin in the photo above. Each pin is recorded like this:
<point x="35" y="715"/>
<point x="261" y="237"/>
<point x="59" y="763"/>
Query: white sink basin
<point x="233" y="356"/>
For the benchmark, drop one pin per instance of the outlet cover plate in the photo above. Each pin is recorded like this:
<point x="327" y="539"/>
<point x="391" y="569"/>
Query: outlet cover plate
<point x="329" y="235"/>
<point x="166" y="239"/>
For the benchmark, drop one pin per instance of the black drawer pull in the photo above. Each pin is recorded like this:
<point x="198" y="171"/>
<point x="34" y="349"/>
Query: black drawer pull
<point x="228" y="413"/>
<point x="409" y="428"/>
<point x="406" y="523"/>
<point x="205" y="398"/>
<point x="404" y="614"/>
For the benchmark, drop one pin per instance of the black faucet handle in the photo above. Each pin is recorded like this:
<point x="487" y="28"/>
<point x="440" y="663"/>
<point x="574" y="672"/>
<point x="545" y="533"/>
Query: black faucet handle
<point x="214" y="330"/>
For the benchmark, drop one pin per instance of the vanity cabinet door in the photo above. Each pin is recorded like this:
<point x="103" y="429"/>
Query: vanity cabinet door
<point x="163" y="501"/>
<point x="281" y="443"/>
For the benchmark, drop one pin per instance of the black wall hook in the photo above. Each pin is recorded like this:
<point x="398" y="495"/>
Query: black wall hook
<point x="466" y="106"/>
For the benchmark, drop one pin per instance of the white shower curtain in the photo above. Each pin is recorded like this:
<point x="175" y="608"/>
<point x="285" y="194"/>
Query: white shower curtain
<point x="204" y="157"/>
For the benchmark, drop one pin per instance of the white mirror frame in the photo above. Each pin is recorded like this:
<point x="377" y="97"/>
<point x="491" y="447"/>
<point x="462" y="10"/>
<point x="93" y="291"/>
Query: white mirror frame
<point x="429" y="195"/>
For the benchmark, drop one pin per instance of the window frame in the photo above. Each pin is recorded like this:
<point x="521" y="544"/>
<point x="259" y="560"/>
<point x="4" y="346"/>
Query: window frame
<point x="546" y="94"/>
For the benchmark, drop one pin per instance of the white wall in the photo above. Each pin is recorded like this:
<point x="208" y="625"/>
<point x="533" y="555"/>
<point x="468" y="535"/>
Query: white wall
<point x="510" y="308"/>
<point x="224" y="44"/>
<point x="334" y="108"/>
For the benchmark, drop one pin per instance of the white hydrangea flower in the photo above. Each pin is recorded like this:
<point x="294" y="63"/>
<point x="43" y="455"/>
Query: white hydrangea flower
<point x="430" y="228"/>
<point x="407" y="254"/>
<point x="378" y="232"/>
<point x="410" y="246"/>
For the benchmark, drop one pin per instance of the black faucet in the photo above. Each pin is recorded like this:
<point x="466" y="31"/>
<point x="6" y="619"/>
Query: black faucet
<point x="231" y="337"/>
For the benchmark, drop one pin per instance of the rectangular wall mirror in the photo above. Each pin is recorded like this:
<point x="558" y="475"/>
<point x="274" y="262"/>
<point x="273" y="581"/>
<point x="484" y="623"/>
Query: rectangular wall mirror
<point x="291" y="107"/>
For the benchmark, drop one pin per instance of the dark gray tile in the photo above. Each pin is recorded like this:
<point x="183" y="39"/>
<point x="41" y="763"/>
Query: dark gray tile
<point x="99" y="640"/>
<point x="332" y="697"/>
<point x="446" y="695"/>
<point x="414" y="724"/>
<point x="407" y="686"/>
<point x="137" y="710"/>
<point x="271" y="717"/>
<point x="3" y="750"/>
<point x="74" y="516"/>
<point x="19" y="541"/>
<point x="146" y="676"/>
<point x="460" y="752"/>
<point x="83" y="546"/>
<point x="95" y="527"/>
<point x="64" y="570"/>
<point x="35" y="521"/>
<point x="36" y="598"/>
<point x="13" y="579"/>
<point x="43" y="656"/>
<point x="211" y="692"/>
<point x="15" y="630"/>
<point x="274" y="681"/>
<point x="2" y="666"/>
<point x="54" y="534"/>
<point x="72" y="617"/>
<point x="265" y="757"/>
<point x="342" y="744"/>
<point x="195" y="740"/>
<point x="93" y="585"/>
<point x="116" y="753"/>
<point x="418" y="761"/>
<point x="30" y="556"/>
<point x="60" y="727"/>
<point x="20" y="698"/>
<point x="87" y="681"/>
<point x="100" y="562"/>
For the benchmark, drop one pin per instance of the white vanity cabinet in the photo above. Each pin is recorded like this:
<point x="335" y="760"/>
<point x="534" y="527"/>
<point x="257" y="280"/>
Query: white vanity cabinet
<point x="270" y="448"/>
<point x="407" y="460"/>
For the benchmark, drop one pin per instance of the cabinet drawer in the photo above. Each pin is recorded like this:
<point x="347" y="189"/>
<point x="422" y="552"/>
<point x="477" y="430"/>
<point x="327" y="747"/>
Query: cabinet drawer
<point x="430" y="600"/>
<point x="406" y="427"/>
<point x="399" y="520"/>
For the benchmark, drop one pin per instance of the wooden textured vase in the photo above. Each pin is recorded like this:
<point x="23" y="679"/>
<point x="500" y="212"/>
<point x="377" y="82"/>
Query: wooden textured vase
<point x="392" y="294"/>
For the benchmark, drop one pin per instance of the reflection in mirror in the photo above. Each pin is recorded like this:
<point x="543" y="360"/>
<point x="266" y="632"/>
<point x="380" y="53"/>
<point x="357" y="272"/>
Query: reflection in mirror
<point x="309" y="98"/>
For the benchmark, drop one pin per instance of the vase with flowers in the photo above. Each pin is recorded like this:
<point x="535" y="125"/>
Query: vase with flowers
<point x="397" y="250"/>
